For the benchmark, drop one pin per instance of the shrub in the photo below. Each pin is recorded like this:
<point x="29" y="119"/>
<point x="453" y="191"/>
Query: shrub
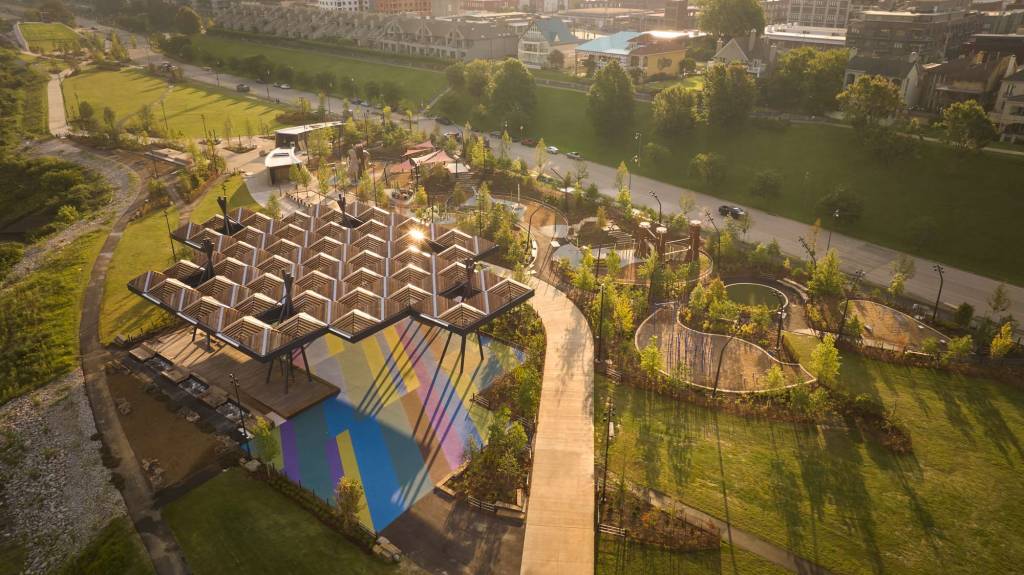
<point x="767" y="184"/>
<point x="849" y="204"/>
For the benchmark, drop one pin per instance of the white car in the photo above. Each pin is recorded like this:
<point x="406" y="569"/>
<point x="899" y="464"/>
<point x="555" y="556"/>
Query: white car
<point x="285" y="87"/>
<point x="552" y="150"/>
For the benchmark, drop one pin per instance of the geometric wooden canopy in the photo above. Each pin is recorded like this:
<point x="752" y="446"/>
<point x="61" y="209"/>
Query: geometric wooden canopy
<point x="268" y="287"/>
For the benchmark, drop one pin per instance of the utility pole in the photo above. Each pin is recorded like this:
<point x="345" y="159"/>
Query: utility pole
<point x="939" y="269"/>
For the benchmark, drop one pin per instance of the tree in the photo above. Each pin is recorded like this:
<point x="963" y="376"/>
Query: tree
<point x="826" y="279"/>
<point x="273" y="207"/>
<point x="514" y="96"/>
<point x="807" y="80"/>
<point x="540" y="156"/>
<point x="110" y="119"/>
<point x="731" y="17"/>
<point x="610" y="100"/>
<point x="825" y="361"/>
<point x="556" y="59"/>
<point x="621" y="177"/>
<point x="897" y="284"/>
<point x="478" y="79"/>
<point x="1002" y="343"/>
<point x="966" y="126"/>
<point x="348" y="500"/>
<point x="187" y="21"/>
<point x="67" y="215"/>
<point x="963" y="315"/>
<point x="265" y="440"/>
<point x="674" y="111"/>
<point x="767" y="184"/>
<point x="602" y="218"/>
<point x="709" y="167"/>
<point x="729" y="94"/>
<point x="999" y="302"/>
<point x="775" y="378"/>
<point x="958" y="349"/>
<point x="456" y="76"/>
<point x="869" y="100"/>
<point x="650" y="359"/>
<point x="590" y="66"/>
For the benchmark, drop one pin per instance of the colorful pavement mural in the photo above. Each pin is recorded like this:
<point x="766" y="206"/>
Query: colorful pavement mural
<point x="398" y="424"/>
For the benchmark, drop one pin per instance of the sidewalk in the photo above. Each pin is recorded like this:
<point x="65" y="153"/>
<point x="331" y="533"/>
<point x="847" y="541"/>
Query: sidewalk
<point x="560" y="520"/>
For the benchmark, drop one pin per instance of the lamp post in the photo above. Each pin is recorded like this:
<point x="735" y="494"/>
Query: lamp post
<point x="241" y="414"/>
<point x="721" y="354"/>
<point x="718" y="234"/>
<point x="168" y="222"/>
<point x="636" y="164"/>
<point x="781" y="314"/>
<point x="939" y="269"/>
<point x="639" y="137"/>
<point x="529" y="229"/>
<point x="828" y="245"/>
<point x="655" y="196"/>
<point x="600" y="326"/>
<point x="846" y="306"/>
<point x="608" y="415"/>
<point x="268" y="84"/>
<point x="206" y="133"/>
<point x="167" y="128"/>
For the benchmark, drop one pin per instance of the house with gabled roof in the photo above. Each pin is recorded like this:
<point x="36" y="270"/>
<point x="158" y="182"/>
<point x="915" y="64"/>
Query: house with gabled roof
<point x="541" y="37"/>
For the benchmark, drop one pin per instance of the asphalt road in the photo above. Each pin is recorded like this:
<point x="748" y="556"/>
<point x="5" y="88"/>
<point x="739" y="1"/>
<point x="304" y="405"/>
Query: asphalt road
<point x="856" y="254"/>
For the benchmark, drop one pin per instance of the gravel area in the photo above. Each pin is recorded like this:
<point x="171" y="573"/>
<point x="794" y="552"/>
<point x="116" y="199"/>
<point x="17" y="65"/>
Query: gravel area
<point x="53" y="485"/>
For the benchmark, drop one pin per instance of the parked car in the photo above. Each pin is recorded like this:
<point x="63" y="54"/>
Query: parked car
<point x="285" y="87"/>
<point x="574" y="155"/>
<point x="277" y="84"/>
<point x="207" y="69"/>
<point x="530" y="142"/>
<point x="734" y="212"/>
<point x="242" y="87"/>
<point x="495" y="133"/>
<point x="552" y="150"/>
<point x="444" y="121"/>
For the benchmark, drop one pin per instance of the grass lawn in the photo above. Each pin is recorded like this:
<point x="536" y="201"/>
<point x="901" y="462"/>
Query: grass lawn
<point x="47" y="37"/>
<point x="145" y="246"/>
<point x="117" y="549"/>
<point x="417" y="85"/>
<point x="127" y="91"/>
<point x="833" y="496"/>
<point x="916" y="205"/>
<point x="39" y="317"/>
<point x="237" y="524"/>
<point x="617" y="556"/>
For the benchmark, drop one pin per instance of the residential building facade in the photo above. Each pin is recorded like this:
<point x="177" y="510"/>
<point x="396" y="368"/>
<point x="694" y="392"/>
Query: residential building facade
<point x="1008" y="112"/>
<point x="935" y="35"/>
<point x="905" y="73"/>
<point x="449" y="38"/>
<point x="541" y="37"/>
<point x="788" y="36"/>
<point x="963" y="79"/>
<point x="753" y="51"/>
<point x="344" y="5"/>
<point x="650" y="53"/>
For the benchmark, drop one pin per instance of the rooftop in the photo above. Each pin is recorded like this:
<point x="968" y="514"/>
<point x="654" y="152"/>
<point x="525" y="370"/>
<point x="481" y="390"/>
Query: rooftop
<point x="617" y="44"/>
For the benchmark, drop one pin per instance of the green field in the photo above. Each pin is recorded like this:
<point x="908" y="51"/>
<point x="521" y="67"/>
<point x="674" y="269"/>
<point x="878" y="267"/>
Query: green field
<point x="116" y="549"/>
<point x="617" y="556"/>
<point x="39" y="317"/>
<point x="127" y="91"/>
<point x="417" y="85"/>
<point x="838" y="498"/>
<point x="237" y="524"/>
<point x="47" y="37"/>
<point x="145" y="246"/>
<point x="919" y="205"/>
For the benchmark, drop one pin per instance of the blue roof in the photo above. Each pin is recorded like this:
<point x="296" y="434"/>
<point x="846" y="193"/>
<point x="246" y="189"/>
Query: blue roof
<point x="554" y="30"/>
<point x="614" y="44"/>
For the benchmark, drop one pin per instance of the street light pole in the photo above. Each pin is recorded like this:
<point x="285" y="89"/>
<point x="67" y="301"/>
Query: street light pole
<point x="835" y="215"/>
<point x="935" y="311"/>
<point x="608" y="415"/>
<point x="600" y="327"/>
<point x="167" y="128"/>
<point x="655" y="196"/>
<point x="241" y="414"/>
<point x="846" y="307"/>
<point x="168" y="222"/>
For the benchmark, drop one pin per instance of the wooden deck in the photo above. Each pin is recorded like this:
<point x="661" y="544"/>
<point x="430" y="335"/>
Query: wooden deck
<point x="257" y="395"/>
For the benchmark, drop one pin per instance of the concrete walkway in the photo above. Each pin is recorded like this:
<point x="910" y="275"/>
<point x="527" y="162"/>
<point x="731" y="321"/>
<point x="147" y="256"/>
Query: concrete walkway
<point x="560" y="519"/>
<point x="57" y="120"/>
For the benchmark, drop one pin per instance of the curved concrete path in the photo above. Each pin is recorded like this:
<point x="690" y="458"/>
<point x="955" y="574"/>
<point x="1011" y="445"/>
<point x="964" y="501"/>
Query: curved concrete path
<point x="560" y="521"/>
<point x="156" y="536"/>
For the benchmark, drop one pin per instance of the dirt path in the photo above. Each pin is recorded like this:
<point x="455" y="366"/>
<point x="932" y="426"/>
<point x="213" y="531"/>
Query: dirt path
<point x="156" y="536"/>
